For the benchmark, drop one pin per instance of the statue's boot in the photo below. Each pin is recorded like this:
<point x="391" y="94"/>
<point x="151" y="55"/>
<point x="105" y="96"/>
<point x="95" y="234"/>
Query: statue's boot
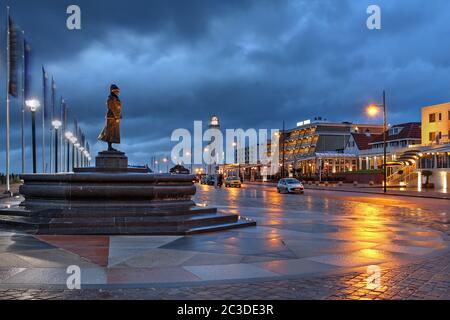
<point x="110" y="148"/>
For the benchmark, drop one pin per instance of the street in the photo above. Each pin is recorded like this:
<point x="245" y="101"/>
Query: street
<point x="313" y="246"/>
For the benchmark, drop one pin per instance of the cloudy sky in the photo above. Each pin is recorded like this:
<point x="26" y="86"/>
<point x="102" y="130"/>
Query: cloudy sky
<point x="253" y="63"/>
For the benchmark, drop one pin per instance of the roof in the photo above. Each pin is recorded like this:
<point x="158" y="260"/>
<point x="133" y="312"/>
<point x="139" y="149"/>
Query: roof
<point x="362" y="140"/>
<point x="411" y="130"/>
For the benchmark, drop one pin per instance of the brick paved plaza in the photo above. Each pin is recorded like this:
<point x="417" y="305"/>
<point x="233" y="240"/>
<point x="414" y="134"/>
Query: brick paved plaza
<point x="316" y="246"/>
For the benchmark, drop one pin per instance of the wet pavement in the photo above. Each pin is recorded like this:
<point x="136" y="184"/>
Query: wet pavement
<point x="313" y="246"/>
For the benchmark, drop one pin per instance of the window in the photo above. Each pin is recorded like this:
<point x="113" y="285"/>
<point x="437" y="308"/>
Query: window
<point x="440" y="116"/>
<point x="432" y="136"/>
<point x="448" y="114"/>
<point x="432" y="117"/>
<point x="394" y="131"/>
<point x="440" y="135"/>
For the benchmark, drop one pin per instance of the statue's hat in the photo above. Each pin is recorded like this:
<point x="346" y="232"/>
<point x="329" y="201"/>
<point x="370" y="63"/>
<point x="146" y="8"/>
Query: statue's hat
<point x="114" y="87"/>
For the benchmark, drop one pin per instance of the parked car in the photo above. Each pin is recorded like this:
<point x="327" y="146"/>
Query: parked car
<point x="290" y="185"/>
<point x="210" y="180"/>
<point x="204" y="180"/>
<point x="232" y="182"/>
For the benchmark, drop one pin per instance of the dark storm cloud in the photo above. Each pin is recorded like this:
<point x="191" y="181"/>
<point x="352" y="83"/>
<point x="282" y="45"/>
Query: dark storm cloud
<point x="253" y="63"/>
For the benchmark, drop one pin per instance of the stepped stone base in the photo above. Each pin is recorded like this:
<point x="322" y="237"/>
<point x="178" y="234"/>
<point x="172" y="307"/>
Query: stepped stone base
<point x="112" y="199"/>
<point x="111" y="159"/>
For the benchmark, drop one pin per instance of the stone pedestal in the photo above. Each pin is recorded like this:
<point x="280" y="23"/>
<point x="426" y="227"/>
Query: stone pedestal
<point x="113" y="199"/>
<point x="111" y="160"/>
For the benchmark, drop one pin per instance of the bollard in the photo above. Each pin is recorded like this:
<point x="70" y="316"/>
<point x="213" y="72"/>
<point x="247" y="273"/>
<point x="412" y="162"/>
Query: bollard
<point x="355" y="183"/>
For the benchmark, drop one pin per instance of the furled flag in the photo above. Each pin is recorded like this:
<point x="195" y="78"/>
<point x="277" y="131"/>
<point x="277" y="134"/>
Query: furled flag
<point x="65" y="116"/>
<point x="63" y="113"/>
<point x="53" y="99"/>
<point x="45" y="90"/>
<point x="26" y="69"/>
<point x="83" y="140"/>
<point x="75" y="128"/>
<point x="14" y="40"/>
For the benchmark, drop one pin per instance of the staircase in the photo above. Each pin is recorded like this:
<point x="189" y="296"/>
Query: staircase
<point x="403" y="176"/>
<point x="115" y="221"/>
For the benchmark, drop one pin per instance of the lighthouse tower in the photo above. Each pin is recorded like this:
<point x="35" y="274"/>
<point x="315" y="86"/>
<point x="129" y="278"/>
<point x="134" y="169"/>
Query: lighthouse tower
<point x="214" y="123"/>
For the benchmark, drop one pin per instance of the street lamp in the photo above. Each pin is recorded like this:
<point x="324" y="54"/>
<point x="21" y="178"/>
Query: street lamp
<point x="81" y="148"/>
<point x="373" y="110"/>
<point x="188" y="154"/>
<point x="33" y="105"/>
<point x="85" y="156"/>
<point x="68" y="136"/>
<point x="56" y="125"/>
<point x="77" y="148"/>
<point x="166" y="161"/>
<point x="73" y="141"/>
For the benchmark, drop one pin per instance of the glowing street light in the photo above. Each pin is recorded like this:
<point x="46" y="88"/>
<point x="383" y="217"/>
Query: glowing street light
<point x="373" y="110"/>
<point x="56" y="125"/>
<point x="69" y="136"/>
<point x="33" y="105"/>
<point x="166" y="161"/>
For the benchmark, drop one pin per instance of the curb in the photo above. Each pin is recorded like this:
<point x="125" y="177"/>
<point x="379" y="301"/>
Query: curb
<point x="381" y="193"/>
<point x="358" y="191"/>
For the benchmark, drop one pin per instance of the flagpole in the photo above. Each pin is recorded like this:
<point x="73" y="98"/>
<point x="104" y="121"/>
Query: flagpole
<point x="60" y="135"/>
<point x="8" y="188"/>
<point x="43" y="120"/>
<point x="51" y="126"/>
<point x="23" y="105"/>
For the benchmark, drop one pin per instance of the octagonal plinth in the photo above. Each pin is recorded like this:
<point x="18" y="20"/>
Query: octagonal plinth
<point x="111" y="160"/>
<point x="114" y="200"/>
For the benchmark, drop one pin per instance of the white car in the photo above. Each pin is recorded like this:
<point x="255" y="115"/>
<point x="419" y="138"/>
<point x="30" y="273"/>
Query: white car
<point x="290" y="185"/>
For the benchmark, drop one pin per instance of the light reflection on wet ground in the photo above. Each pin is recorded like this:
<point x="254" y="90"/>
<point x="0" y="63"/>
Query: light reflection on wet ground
<point x="352" y="227"/>
<point x="321" y="232"/>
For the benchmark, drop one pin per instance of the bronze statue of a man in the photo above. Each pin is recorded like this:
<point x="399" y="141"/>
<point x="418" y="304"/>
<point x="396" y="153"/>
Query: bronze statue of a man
<point x="111" y="131"/>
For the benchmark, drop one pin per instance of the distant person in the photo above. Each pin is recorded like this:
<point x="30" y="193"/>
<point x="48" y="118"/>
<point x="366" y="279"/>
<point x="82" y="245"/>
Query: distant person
<point x="220" y="180"/>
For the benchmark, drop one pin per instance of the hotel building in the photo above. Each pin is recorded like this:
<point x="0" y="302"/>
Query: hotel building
<point x="318" y="146"/>
<point x="434" y="155"/>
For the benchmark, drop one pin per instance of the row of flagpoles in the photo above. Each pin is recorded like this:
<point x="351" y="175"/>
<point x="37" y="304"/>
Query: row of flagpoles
<point x="63" y="138"/>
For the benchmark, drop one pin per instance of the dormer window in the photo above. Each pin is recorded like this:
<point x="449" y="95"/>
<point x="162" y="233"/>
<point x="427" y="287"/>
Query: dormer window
<point x="395" y="130"/>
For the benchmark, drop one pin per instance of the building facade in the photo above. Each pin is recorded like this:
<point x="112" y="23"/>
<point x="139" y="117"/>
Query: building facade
<point x="369" y="148"/>
<point x="436" y="124"/>
<point x="433" y="164"/>
<point x="319" y="147"/>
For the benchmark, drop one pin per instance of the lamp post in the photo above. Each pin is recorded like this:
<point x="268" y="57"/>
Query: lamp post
<point x="81" y="148"/>
<point x="56" y="125"/>
<point x="73" y="141"/>
<point x="77" y="148"/>
<point x="207" y="168"/>
<point x="166" y="161"/>
<point x="188" y="154"/>
<point x="69" y="136"/>
<point x="33" y="105"/>
<point x="284" y="151"/>
<point x="85" y="155"/>
<point x="373" y="111"/>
